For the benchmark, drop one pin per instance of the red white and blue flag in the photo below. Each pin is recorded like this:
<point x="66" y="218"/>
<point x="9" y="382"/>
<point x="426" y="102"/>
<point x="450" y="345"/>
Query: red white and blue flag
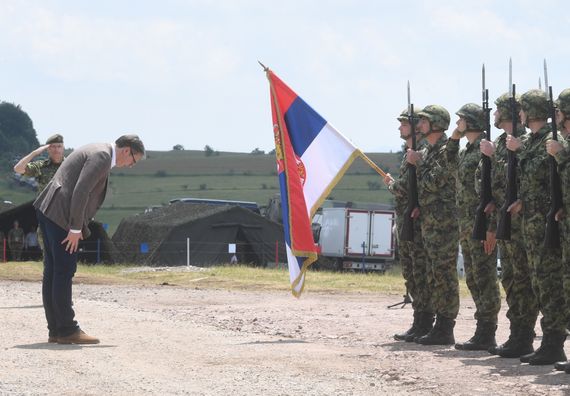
<point x="312" y="156"/>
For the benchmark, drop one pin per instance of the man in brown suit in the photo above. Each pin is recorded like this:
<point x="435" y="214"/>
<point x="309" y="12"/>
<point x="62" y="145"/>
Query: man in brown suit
<point x="64" y="209"/>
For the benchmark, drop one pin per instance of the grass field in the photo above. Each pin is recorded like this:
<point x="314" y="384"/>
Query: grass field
<point x="225" y="277"/>
<point x="235" y="176"/>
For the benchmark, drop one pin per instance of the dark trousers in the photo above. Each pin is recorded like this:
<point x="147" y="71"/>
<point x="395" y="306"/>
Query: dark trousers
<point x="59" y="269"/>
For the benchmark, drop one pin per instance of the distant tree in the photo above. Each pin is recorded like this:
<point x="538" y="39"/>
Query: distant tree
<point x="17" y="133"/>
<point x="178" y="147"/>
<point x="272" y="152"/>
<point x="209" y="151"/>
<point x="257" y="151"/>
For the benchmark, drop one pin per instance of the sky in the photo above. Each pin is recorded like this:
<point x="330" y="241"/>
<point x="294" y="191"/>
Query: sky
<point x="186" y="72"/>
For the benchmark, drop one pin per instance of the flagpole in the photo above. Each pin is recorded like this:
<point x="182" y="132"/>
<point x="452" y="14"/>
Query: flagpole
<point x="372" y="164"/>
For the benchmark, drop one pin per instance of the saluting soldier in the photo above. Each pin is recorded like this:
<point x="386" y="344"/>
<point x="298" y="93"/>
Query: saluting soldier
<point x="534" y="203"/>
<point x="561" y="152"/>
<point x="479" y="259"/>
<point x="43" y="170"/>
<point x="411" y="253"/>
<point x="515" y="272"/>
<point x="438" y="220"/>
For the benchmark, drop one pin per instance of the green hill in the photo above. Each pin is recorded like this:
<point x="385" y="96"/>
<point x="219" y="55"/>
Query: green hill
<point x="166" y="175"/>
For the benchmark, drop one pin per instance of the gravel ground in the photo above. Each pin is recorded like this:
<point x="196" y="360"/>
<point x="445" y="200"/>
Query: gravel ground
<point x="171" y="340"/>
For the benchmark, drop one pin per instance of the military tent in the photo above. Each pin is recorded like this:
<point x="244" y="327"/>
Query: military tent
<point x="97" y="248"/>
<point x="160" y="237"/>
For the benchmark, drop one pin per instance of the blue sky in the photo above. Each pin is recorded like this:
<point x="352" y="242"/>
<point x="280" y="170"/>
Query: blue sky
<point x="186" y="72"/>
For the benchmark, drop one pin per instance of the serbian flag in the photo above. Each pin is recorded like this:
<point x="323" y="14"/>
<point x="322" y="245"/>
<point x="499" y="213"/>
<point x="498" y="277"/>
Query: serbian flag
<point x="312" y="157"/>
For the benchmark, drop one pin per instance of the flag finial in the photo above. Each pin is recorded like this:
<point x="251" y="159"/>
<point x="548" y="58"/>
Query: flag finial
<point x="265" y="68"/>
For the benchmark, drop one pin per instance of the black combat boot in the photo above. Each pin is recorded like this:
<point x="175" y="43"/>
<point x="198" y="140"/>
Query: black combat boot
<point x="562" y="366"/>
<point x="494" y="350"/>
<point x="425" y="325"/>
<point x="551" y="350"/>
<point x="519" y="343"/>
<point x="411" y="331"/>
<point x="483" y="339"/>
<point x="441" y="334"/>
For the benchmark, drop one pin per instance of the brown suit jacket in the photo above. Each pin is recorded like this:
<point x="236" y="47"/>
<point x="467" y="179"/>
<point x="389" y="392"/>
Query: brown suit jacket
<point x="78" y="188"/>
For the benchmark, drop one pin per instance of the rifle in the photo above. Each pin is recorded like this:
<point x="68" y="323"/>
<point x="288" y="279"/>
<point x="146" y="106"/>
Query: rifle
<point x="552" y="232"/>
<point x="480" y="226"/>
<point x="511" y="195"/>
<point x="407" y="233"/>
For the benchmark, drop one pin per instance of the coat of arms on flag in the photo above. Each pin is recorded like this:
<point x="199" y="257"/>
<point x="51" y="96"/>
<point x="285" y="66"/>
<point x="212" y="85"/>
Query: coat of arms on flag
<point x="312" y="156"/>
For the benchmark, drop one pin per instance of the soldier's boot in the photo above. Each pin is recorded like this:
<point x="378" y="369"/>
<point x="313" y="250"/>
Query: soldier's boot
<point x="521" y="344"/>
<point x="551" y="350"/>
<point x="483" y="339"/>
<point x="411" y="331"/>
<point x="562" y="366"/>
<point x="494" y="350"/>
<point x="425" y="325"/>
<point x="441" y="334"/>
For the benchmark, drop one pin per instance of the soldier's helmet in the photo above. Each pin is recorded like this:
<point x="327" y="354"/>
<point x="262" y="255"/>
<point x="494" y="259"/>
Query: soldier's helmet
<point x="437" y="116"/>
<point x="503" y="104"/>
<point x="474" y="115"/>
<point x="404" y="115"/>
<point x="563" y="102"/>
<point x="535" y="104"/>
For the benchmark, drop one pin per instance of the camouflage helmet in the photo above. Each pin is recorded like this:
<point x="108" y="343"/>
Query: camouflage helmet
<point x="437" y="116"/>
<point x="473" y="115"/>
<point x="503" y="104"/>
<point x="535" y="104"/>
<point x="404" y="115"/>
<point x="563" y="103"/>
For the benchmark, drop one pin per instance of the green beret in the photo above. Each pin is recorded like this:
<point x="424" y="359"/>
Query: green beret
<point x="57" y="138"/>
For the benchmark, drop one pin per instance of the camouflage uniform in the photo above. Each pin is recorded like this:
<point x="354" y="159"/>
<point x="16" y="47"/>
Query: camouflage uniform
<point x="436" y="193"/>
<point x="480" y="268"/>
<point x="42" y="171"/>
<point x="563" y="161"/>
<point x="515" y="271"/>
<point x="412" y="254"/>
<point x="545" y="264"/>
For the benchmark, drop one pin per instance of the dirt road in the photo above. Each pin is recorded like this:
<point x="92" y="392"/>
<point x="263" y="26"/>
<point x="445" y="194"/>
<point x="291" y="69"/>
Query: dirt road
<point x="168" y="340"/>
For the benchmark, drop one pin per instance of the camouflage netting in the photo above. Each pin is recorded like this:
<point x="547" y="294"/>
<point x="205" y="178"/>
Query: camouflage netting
<point x="97" y="248"/>
<point x="163" y="234"/>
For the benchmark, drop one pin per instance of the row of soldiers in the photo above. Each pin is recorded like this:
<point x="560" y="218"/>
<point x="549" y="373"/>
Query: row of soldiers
<point x="535" y="278"/>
